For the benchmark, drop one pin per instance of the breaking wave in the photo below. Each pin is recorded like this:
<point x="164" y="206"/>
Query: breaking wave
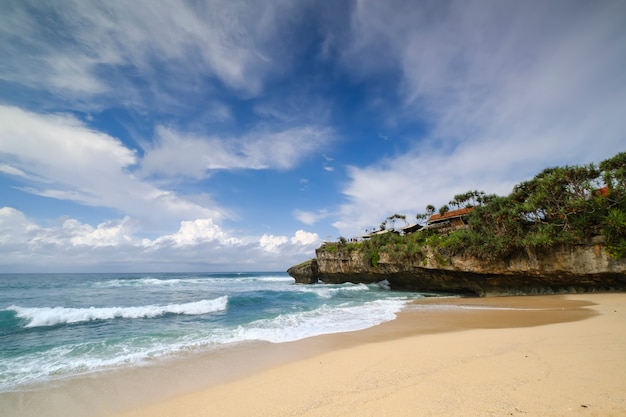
<point x="51" y="316"/>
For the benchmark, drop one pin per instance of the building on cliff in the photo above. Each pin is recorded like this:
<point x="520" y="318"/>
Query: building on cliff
<point x="412" y="228"/>
<point x="453" y="219"/>
<point x="377" y="233"/>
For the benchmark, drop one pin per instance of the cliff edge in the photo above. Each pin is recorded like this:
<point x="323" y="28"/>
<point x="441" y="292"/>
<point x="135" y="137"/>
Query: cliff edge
<point x="562" y="269"/>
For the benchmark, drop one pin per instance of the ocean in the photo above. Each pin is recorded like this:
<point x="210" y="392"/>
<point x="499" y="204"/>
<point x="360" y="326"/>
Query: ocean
<point x="59" y="326"/>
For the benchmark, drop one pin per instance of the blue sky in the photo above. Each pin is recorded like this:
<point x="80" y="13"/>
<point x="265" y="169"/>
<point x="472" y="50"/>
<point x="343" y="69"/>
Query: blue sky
<point x="238" y="135"/>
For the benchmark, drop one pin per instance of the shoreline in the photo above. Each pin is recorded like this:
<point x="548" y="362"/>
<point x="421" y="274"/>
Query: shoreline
<point x="432" y="352"/>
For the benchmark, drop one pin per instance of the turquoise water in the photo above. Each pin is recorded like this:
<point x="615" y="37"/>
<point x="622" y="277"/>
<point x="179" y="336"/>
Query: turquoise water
<point x="54" y="326"/>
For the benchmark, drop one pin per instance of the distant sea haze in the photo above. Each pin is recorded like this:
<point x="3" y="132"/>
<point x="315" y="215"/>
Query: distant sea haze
<point x="55" y="326"/>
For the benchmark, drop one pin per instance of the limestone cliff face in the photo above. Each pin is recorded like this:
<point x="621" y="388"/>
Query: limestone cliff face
<point x="576" y="268"/>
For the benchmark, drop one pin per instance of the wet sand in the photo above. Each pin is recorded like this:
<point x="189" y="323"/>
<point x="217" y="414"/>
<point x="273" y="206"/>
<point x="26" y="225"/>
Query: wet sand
<point x="531" y="356"/>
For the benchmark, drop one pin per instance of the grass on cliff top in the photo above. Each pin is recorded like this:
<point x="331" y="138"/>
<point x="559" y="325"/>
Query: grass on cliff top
<point x="302" y="264"/>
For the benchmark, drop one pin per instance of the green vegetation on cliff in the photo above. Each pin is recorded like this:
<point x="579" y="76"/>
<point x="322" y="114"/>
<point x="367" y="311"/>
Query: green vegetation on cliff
<point x="559" y="206"/>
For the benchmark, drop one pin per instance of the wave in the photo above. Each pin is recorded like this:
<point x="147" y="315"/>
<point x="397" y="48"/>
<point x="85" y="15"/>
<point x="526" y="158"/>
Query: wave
<point x="89" y="356"/>
<point x="139" y="282"/>
<point x="324" y="320"/>
<point x="51" y="316"/>
<point x="9" y="322"/>
<point x="330" y="291"/>
<point x="149" y="281"/>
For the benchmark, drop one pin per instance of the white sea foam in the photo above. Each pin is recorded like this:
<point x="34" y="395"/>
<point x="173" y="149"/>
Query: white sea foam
<point x="324" y="320"/>
<point x="268" y="307"/>
<point x="114" y="283"/>
<point x="171" y="282"/>
<point x="274" y="279"/>
<point x="329" y="291"/>
<point x="84" y="358"/>
<point x="469" y="307"/>
<point x="50" y="316"/>
<point x="41" y="366"/>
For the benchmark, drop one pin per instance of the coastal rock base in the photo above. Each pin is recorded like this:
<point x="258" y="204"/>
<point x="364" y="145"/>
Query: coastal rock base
<point x="568" y="269"/>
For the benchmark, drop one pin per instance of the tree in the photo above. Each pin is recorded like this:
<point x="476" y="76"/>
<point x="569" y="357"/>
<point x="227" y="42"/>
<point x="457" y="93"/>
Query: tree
<point x="560" y="205"/>
<point x="614" y="170"/>
<point x="470" y="199"/>
<point x="392" y="219"/>
<point x="421" y="217"/>
<point x="560" y="196"/>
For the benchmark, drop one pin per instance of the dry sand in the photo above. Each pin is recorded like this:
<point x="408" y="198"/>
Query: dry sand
<point x="522" y="356"/>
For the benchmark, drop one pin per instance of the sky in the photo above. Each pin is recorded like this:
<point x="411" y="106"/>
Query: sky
<point x="235" y="135"/>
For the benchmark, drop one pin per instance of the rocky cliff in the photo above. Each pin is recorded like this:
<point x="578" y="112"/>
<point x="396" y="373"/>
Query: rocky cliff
<point x="575" y="268"/>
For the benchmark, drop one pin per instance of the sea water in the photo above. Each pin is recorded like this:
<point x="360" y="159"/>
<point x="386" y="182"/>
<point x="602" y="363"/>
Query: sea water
<point x="56" y="326"/>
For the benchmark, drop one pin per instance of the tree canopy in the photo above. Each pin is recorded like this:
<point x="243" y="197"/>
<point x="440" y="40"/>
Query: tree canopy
<point x="560" y="205"/>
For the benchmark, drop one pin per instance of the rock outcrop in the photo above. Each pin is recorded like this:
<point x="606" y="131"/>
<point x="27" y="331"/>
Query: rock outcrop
<point x="306" y="272"/>
<point x="565" y="269"/>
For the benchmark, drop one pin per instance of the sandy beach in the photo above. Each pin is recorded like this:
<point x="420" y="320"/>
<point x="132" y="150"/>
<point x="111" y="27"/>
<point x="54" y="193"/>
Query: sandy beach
<point x="530" y="356"/>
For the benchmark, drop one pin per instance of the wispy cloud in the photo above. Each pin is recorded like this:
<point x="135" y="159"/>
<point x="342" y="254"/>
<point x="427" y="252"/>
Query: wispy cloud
<point x="132" y="108"/>
<point x="507" y="88"/>
<point x="10" y="170"/>
<point x="78" y="48"/>
<point x="175" y="153"/>
<point x="310" y="217"/>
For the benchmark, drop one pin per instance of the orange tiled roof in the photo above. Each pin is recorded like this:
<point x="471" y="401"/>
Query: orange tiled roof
<point x="450" y="214"/>
<point x="602" y="192"/>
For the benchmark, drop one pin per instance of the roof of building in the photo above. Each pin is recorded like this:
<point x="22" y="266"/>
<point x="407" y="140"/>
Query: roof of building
<point x="411" y="228"/>
<point x="450" y="214"/>
<point x="602" y="192"/>
<point x="377" y="232"/>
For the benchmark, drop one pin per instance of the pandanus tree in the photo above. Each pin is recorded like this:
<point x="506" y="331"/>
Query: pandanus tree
<point x="423" y="217"/>
<point x="614" y="226"/>
<point x="471" y="199"/>
<point x="392" y="219"/>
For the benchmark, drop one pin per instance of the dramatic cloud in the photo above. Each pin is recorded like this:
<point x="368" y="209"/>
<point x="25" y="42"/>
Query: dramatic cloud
<point x="161" y="42"/>
<point x="202" y="134"/>
<point x="508" y="88"/>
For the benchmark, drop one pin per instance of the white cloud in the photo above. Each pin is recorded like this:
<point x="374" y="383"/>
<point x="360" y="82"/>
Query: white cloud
<point x="194" y="232"/>
<point x="117" y="245"/>
<point x="14" y="227"/>
<point x="175" y="153"/>
<point x="26" y="237"/>
<point x="507" y="88"/>
<point x="160" y="42"/>
<point x="310" y="217"/>
<point x="10" y="170"/>
<point x="305" y="238"/>
<point x="301" y="242"/>
<point x="218" y="112"/>
<point x="64" y="159"/>
<point x="110" y="233"/>
<point x="271" y="243"/>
